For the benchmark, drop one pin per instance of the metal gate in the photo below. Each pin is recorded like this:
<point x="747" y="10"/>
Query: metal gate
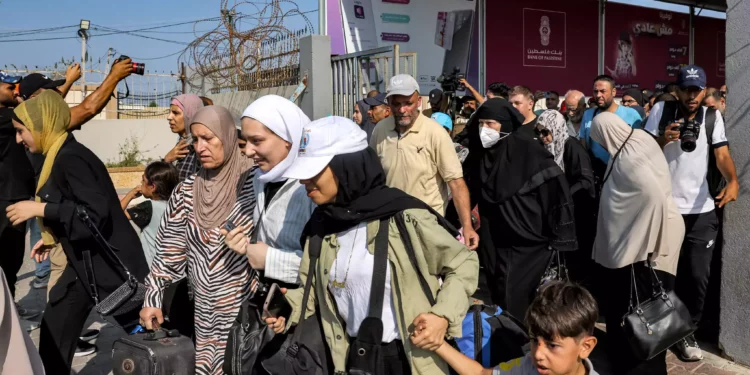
<point x="355" y="74"/>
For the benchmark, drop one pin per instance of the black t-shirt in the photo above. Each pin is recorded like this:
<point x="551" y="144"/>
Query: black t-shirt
<point x="16" y="175"/>
<point x="528" y="129"/>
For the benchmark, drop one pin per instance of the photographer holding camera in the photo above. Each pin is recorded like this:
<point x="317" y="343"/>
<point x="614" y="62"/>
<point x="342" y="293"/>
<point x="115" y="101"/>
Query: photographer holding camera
<point x="687" y="131"/>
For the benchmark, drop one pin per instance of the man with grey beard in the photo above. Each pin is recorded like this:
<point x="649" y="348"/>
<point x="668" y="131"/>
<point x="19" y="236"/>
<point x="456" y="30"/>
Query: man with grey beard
<point x="575" y="106"/>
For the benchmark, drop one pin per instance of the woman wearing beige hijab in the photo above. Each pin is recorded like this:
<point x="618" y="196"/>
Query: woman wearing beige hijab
<point x="638" y="221"/>
<point x="189" y="242"/>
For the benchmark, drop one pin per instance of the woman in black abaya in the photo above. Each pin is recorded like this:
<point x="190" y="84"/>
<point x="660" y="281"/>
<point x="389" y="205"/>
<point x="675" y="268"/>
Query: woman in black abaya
<point x="525" y="205"/>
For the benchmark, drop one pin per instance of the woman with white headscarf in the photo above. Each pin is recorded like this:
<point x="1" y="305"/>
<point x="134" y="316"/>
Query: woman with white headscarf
<point x="638" y="222"/>
<point x="272" y="127"/>
<point x="574" y="160"/>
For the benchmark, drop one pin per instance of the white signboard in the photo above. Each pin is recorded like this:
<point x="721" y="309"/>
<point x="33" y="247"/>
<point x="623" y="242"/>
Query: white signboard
<point x="408" y="23"/>
<point x="359" y="25"/>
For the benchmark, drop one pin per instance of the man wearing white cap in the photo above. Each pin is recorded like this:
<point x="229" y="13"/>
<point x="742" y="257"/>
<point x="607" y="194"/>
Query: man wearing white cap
<point x="418" y="155"/>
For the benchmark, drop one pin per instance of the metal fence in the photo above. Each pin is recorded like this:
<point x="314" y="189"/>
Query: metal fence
<point x="355" y="74"/>
<point x="272" y="62"/>
<point x="145" y="96"/>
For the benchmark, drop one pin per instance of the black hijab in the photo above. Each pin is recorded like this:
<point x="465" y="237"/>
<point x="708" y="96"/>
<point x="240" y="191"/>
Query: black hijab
<point x="635" y="94"/>
<point x="504" y="169"/>
<point x="362" y="196"/>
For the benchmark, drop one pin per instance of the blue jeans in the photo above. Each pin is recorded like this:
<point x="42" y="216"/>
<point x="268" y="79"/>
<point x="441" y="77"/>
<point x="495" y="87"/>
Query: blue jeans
<point x="42" y="269"/>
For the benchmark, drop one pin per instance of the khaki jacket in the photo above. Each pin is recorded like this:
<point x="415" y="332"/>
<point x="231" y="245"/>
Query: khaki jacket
<point x="437" y="253"/>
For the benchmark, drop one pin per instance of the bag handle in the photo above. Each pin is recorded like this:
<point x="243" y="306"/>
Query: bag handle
<point x="377" y="293"/>
<point x="401" y="225"/>
<point x="657" y="285"/>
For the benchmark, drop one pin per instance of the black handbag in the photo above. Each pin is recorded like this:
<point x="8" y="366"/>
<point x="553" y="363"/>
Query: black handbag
<point x="128" y="296"/>
<point x="557" y="270"/>
<point x="247" y="337"/>
<point x="365" y="357"/>
<point x="654" y="325"/>
<point x="303" y="355"/>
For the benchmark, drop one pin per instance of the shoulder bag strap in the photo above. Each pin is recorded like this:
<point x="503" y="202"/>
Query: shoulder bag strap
<point x="710" y="121"/>
<point x="105" y="246"/>
<point x="316" y="242"/>
<point x="377" y="293"/>
<point x="405" y="238"/>
<point x="88" y="268"/>
<point x="612" y="164"/>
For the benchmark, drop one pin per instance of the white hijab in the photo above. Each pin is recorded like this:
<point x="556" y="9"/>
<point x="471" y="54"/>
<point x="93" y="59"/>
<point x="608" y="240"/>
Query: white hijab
<point x="286" y="120"/>
<point x="637" y="214"/>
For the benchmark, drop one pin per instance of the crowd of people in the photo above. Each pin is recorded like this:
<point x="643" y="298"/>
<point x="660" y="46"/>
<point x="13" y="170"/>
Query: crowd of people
<point x="443" y="207"/>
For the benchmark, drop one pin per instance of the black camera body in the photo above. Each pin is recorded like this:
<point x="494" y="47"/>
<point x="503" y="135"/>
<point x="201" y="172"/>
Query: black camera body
<point x="450" y="82"/>
<point x="690" y="130"/>
<point x="138" y="68"/>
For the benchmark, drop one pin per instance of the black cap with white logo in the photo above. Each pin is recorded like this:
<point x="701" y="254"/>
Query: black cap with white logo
<point x="692" y="76"/>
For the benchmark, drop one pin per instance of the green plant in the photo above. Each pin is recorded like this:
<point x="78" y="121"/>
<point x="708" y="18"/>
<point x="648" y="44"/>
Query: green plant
<point x="130" y="154"/>
<point x="153" y="104"/>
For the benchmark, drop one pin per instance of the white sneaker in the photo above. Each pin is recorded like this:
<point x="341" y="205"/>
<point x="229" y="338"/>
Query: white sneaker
<point x="687" y="350"/>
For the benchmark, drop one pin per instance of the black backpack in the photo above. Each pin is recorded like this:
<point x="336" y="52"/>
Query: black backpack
<point x="716" y="181"/>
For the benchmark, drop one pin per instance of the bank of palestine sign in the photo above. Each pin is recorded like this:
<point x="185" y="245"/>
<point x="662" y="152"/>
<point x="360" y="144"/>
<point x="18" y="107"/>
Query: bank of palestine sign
<point x="544" y="38"/>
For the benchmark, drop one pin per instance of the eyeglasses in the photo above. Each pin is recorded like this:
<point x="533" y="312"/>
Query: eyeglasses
<point x="629" y="101"/>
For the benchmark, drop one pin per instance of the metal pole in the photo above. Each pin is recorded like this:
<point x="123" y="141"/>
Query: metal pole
<point x="602" y="6"/>
<point x="183" y="78"/>
<point x="691" y="46"/>
<point x="109" y="57"/>
<point x="482" y="5"/>
<point x="84" y="37"/>
<point x="396" y="58"/>
<point x="322" y="26"/>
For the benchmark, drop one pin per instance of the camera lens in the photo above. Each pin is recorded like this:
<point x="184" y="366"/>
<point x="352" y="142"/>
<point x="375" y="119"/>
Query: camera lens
<point x="139" y="68"/>
<point x="687" y="142"/>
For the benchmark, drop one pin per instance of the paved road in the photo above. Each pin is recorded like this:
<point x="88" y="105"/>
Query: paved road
<point x="99" y="363"/>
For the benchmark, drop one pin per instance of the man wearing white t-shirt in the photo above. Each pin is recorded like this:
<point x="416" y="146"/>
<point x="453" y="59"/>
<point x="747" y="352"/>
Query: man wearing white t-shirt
<point x="691" y="190"/>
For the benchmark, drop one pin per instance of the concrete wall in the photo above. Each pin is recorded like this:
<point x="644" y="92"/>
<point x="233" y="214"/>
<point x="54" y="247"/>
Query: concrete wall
<point x="104" y="137"/>
<point x="236" y="102"/>
<point x="735" y="283"/>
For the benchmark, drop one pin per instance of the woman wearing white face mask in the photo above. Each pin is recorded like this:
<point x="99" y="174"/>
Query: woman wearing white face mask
<point x="525" y="206"/>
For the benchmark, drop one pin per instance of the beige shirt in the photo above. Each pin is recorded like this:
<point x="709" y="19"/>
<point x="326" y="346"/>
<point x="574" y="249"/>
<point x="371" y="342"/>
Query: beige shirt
<point x="421" y="162"/>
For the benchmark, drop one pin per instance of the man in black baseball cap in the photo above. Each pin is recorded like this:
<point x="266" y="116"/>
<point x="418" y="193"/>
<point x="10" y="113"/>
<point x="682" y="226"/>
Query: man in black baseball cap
<point x="436" y="102"/>
<point x="379" y="108"/>
<point x="35" y="83"/>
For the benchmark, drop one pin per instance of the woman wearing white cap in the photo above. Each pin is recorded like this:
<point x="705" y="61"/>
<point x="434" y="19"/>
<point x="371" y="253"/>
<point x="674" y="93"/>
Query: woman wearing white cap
<point x="344" y="177"/>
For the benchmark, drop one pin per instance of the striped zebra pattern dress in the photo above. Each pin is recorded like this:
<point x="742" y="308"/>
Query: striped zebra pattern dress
<point x="219" y="276"/>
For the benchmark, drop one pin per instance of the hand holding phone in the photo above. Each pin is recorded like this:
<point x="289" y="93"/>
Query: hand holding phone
<point x="276" y="305"/>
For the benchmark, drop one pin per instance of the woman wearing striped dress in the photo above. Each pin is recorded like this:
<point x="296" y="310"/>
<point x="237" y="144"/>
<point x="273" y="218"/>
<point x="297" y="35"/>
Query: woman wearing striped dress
<point x="189" y="242"/>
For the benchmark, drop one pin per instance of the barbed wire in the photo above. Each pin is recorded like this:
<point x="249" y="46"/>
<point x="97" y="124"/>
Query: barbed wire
<point x="227" y="54"/>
